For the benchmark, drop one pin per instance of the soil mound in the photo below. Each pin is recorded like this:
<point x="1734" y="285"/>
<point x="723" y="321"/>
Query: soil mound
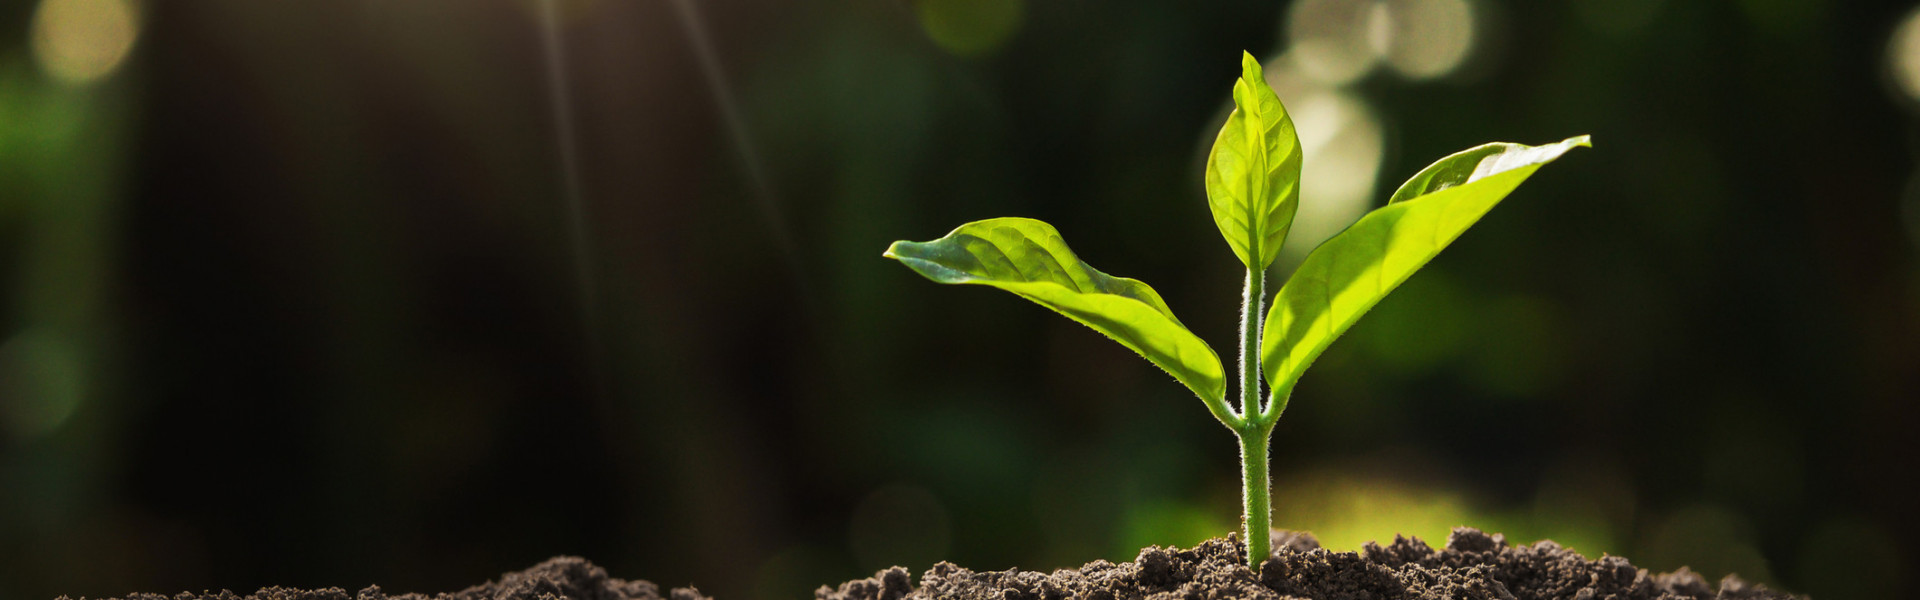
<point x="1473" y="565"/>
<point x="560" y="578"/>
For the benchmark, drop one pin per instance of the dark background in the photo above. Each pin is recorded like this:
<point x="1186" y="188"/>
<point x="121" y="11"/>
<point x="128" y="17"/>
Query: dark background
<point x="324" y="293"/>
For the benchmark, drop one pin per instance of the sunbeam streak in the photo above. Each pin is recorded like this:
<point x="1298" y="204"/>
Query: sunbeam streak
<point x="776" y="222"/>
<point x="586" y="275"/>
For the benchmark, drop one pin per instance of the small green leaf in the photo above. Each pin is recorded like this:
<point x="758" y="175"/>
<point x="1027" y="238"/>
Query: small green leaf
<point x="1027" y="257"/>
<point x="1347" y="275"/>
<point x="1253" y="172"/>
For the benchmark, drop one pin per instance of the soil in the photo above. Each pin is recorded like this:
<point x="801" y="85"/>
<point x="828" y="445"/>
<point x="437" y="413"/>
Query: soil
<point x="1473" y="565"/>
<point x="560" y="578"/>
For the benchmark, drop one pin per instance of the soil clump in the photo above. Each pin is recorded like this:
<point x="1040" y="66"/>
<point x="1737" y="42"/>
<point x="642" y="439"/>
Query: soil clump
<point x="559" y="578"/>
<point x="1473" y="565"/>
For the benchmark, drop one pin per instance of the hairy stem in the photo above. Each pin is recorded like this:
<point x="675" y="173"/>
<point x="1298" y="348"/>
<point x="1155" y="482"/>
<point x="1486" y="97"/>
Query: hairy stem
<point x="1250" y="321"/>
<point x="1259" y="501"/>
<point x="1254" y="431"/>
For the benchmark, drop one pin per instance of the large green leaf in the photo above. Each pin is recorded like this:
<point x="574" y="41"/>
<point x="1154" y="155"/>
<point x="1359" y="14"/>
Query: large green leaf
<point x="1027" y="257"/>
<point x="1351" y="272"/>
<point x="1253" y="172"/>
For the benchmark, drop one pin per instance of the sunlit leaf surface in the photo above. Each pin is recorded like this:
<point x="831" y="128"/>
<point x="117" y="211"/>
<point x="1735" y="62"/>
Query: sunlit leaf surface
<point x="1347" y="275"/>
<point x="1028" y="258"/>
<point x="1253" y="172"/>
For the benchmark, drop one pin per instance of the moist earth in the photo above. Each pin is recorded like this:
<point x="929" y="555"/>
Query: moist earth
<point x="1473" y="565"/>
<point x="560" y="578"/>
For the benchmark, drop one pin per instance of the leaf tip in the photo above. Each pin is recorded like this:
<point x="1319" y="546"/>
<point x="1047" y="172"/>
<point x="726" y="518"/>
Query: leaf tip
<point x="890" y="250"/>
<point x="1584" y="140"/>
<point x="1250" y="67"/>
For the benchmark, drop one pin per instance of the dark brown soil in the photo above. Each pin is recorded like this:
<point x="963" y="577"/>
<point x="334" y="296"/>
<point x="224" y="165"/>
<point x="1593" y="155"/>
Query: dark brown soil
<point x="560" y="578"/>
<point x="1474" y="565"/>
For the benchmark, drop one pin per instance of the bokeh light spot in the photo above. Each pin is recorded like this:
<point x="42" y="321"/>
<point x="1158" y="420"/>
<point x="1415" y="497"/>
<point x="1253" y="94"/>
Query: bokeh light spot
<point x="82" y="41"/>
<point x="1343" y="141"/>
<point x="1903" y="55"/>
<point x="40" y="384"/>
<point x="899" y="525"/>
<point x="1345" y="511"/>
<point x="1379" y="24"/>
<point x="1329" y="39"/>
<point x="1338" y="41"/>
<point x="970" y="27"/>
<point x="1425" y="39"/>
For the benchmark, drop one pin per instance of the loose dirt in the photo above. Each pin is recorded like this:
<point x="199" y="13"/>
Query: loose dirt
<point x="560" y="578"/>
<point x="1473" y="565"/>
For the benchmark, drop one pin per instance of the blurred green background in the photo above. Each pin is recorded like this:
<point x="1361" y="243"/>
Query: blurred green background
<point x="415" y="293"/>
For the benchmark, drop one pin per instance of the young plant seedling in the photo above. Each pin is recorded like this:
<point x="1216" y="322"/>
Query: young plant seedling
<point x="1253" y="187"/>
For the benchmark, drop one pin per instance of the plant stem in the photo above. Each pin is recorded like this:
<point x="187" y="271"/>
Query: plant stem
<point x="1253" y="432"/>
<point x="1259" y="501"/>
<point x="1250" y="317"/>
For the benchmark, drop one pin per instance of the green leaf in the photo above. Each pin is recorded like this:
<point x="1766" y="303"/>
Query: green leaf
<point x="1347" y="275"/>
<point x="1253" y="172"/>
<point x="1027" y="257"/>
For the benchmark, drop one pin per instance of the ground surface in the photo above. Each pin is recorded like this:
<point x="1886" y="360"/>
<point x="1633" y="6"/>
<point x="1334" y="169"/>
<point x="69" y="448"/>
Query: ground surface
<point x="560" y="578"/>
<point x="1473" y="565"/>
